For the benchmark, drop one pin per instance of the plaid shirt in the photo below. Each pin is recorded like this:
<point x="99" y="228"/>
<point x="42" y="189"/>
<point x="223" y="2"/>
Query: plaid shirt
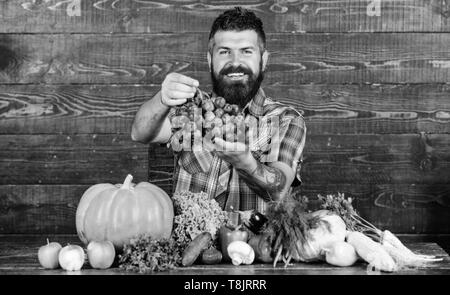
<point x="198" y="171"/>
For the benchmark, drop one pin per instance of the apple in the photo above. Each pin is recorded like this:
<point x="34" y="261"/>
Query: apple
<point x="48" y="255"/>
<point x="71" y="257"/>
<point x="101" y="254"/>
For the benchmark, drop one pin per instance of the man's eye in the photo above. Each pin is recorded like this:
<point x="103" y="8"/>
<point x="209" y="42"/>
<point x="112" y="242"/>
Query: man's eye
<point x="222" y="52"/>
<point x="248" y="52"/>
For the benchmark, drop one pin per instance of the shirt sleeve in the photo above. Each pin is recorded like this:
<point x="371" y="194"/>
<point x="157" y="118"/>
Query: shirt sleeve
<point x="287" y="142"/>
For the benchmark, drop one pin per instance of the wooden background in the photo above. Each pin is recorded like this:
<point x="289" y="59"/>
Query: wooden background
<point x="371" y="78"/>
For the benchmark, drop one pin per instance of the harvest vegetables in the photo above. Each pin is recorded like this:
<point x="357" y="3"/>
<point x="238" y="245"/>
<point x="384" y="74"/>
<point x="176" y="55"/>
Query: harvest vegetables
<point x="195" y="248"/>
<point x="335" y="234"/>
<point x="48" y="255"/>
<point x="240" y="253"/>
<point x="228" y="235"/>
<point x="101" y="254"/>
<point x="196" y="213"/>
<point x="262" y="247"/>
<point x="144" y="254"/>
<point x="372" y="252"/>
<point x="287" y="225"/>
<point x="406" y="258"/>
<point x="402" y="256"/>
<point x="299" y="235"/>
<point x="329" y="228"/>
<point x="389" y="239"/>
<point x="71" y="257"/>
<point x="340" y="254"/>
<point x="211" y="256"/>
<point x="120" y="212"/>
<point x="253" y="220"/>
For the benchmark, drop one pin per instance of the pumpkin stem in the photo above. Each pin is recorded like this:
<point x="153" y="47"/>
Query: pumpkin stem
<point x="127" y="183"/>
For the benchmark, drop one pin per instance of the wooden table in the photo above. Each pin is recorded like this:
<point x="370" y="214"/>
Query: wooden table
<point x="18" y="256"/>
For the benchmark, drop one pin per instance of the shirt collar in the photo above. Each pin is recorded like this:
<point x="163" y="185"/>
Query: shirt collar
<point x="256" y="105"/>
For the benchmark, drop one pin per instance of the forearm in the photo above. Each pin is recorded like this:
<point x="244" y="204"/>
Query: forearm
<point x="149" y="119"/>
<point x="268" y="182"/>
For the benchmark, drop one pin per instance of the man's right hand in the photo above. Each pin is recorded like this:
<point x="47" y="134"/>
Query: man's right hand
<point x="177" y="88"/>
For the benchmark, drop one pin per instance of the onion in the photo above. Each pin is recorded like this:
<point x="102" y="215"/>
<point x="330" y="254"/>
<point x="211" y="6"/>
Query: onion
<point x="341" y="254"/>
<point x="326" y="233"/>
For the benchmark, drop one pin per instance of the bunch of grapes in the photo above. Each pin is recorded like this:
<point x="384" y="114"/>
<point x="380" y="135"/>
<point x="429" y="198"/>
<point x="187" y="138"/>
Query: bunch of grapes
<point x="205" y="117"/>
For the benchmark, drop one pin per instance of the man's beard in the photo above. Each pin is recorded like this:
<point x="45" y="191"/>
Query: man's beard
<point x="237" y="92"/>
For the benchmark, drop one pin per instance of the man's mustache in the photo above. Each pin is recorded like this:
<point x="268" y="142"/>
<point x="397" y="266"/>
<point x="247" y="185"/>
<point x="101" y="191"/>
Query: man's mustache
<point x="233" y="69"/>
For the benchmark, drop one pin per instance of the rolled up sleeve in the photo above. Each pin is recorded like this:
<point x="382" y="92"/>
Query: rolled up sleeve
<point x="293" y="142"/>
<point x="288" y="141"/>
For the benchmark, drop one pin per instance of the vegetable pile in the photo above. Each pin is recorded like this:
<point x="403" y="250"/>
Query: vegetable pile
<point x="381" y="249"/>
<point x="127" y="210"/>
<point x="336" y="234"/>
<point x="144" y="254"/>
<point x="288" y="231"/>
<point x="196" y="213"/>
<point x="299" y="235"/>
<point x="196" y="223"/>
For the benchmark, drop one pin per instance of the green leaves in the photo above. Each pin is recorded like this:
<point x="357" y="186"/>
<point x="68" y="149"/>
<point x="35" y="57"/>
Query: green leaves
<point x="144" y="254"/>
<point x="196" y="213"/>
<point x="342" y="207"/>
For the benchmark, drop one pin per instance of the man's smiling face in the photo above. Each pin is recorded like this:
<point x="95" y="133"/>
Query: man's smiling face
<point x="237" y="65"/>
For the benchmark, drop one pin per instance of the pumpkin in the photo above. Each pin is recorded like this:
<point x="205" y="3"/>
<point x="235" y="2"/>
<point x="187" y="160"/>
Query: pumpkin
<point x="120" y="212"/>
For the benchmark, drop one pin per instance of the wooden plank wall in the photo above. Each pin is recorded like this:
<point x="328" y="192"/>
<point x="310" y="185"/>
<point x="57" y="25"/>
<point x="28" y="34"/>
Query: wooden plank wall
<point x="371" y="78"/>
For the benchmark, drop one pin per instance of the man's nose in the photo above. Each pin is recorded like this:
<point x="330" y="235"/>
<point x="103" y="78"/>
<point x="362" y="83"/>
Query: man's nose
<point x="235" y="59"/>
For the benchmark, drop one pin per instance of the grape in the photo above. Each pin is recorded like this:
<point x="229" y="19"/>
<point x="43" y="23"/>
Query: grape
<point x="208" y="124"/>
<point x="197" y="100"/>
<point x="217" y="132"/>
<point x="239" y="119"/>
<point x="227" y="108"/>
<point x="220" y="102"/>
<point x="234" y="109"/>
<point x="229" y="137"/>
<point x="226" y="118"/>
<point x="179" y="121"/>
<point x="233" y="119"/>
<point x="208" y="105"/>
<point x="229" y="128"/>
<point x="189" y="105"/>
<point x="219" y="113"/>
<point x="217" y="122"/>
<point x="207" y="117"/>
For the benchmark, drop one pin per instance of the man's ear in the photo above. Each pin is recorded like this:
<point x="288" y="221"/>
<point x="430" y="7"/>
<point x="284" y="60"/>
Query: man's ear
<point x="208" y="56"/>
<point x="265" y="58"/>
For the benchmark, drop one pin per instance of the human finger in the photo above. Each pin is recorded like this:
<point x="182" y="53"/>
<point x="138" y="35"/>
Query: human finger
<point x="182" y="88"/>
<point x="222" y="145"/>
<point x="180" y="78"/>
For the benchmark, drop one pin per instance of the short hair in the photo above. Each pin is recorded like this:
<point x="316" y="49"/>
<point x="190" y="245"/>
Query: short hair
<point x="238" y="19"/>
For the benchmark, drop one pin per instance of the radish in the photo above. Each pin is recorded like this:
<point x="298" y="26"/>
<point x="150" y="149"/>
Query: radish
<point x="372" y="252"/>
<point x="340" y="253"/>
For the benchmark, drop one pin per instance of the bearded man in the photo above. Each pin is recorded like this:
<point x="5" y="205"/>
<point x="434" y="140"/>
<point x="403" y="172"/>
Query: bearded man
<point x="236" y="176"/>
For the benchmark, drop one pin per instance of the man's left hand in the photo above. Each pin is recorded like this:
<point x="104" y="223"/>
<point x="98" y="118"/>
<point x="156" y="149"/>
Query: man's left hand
<point x="236" y="153"/>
